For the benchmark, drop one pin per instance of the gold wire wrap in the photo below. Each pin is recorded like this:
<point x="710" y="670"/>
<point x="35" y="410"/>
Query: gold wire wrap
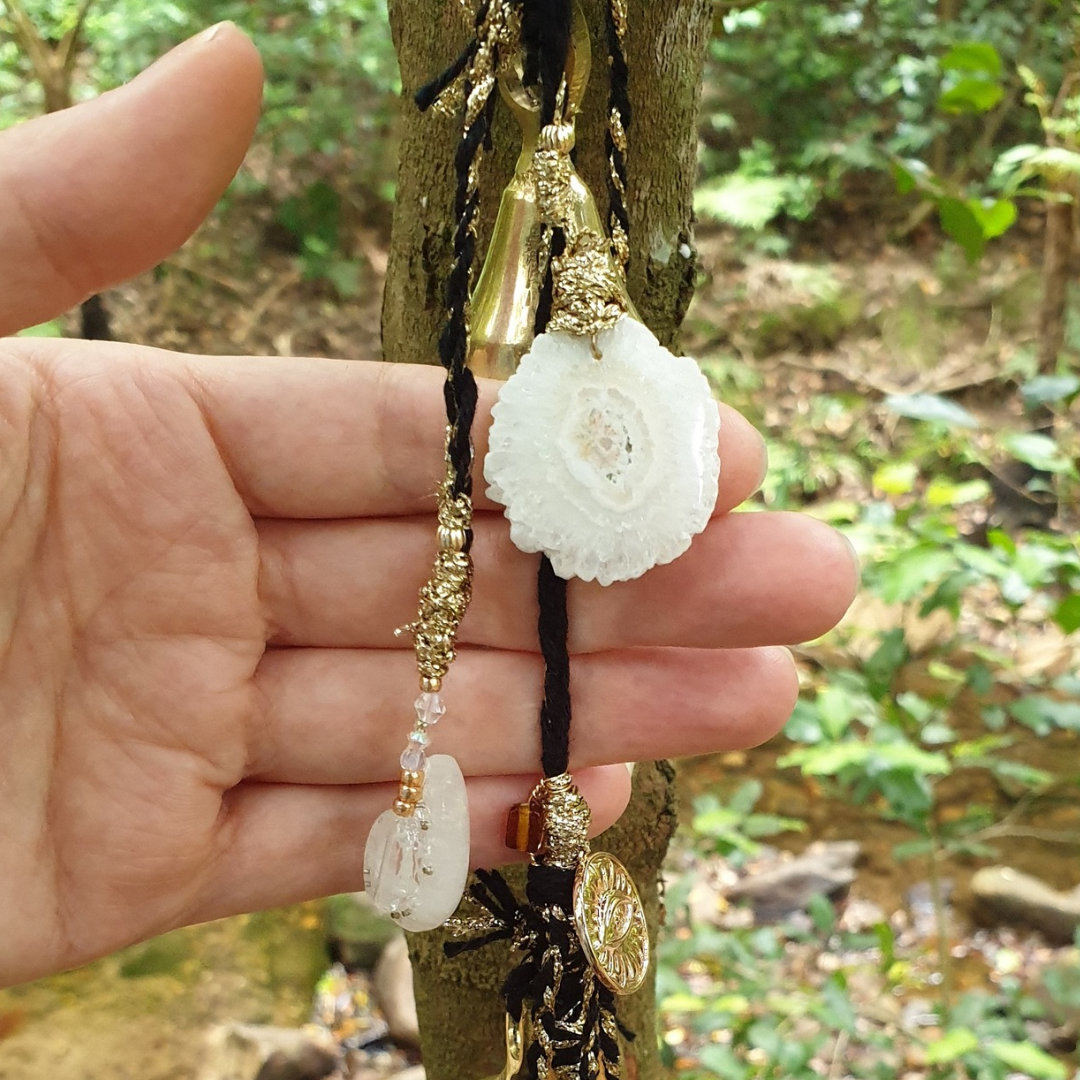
<point x="445" y="598"/>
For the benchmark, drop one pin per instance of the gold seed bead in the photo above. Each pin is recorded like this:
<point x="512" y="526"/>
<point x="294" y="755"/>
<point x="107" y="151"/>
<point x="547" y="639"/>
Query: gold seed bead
<point x="413" y="779"/>
<point x="403" y="808"/>
<point x="558" y="137"/>
<point x="430" y="685"/>
<point x="452" y="539"/>
<point x="409" y="793"/>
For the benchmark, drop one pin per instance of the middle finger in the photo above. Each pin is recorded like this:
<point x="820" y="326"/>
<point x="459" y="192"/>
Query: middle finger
<point x="750" y="579"/>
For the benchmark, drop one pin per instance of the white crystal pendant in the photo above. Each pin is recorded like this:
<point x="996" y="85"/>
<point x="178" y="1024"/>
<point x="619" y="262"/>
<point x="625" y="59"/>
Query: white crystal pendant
<point x="415" y="868"/>
<point x="609" y="466"/>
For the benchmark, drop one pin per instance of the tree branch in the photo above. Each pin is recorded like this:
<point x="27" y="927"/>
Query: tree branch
<point x="69" y="45"/>
<point x="29" y="40"/>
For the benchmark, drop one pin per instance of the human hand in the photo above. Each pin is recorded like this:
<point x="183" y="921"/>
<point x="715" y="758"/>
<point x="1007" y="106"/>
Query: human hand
<point x="202" y="562"/>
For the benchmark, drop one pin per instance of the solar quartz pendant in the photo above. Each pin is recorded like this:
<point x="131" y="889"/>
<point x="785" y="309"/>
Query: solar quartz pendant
<point x="604" y="452"/>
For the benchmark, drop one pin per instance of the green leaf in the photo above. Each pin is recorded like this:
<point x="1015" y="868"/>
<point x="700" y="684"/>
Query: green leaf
<point x="952" y="1045"/>
<point x="960" y="223"/>
<point x="1047" y="389"/>
<point x="722" y="1061"/>
<point x="1026" y="775"/>
<point x="805" y="723"/>
<point x="750" y="202"/>
<point x="50" y="329"/>
<point x="1038" y="451"/>
<point x="975" y="56"/>
<point x="943" y="492"/>
<point x="886" y="660"/>
<point x="911" y="174"/>
<point x="1027" y="1058"/>
<point x="1067" y="615"/>
<point x="1042" y="714"/>
<point x="837" y="708"/>
<point x="825" y="760"/>
<point x="931" y="407"/>
<point x="973" y="94"/>
<point x="1054" y="162"/>
<point x="995" y="217"/>
<point x="897" y="477"/>
<point x="914" y="570"/>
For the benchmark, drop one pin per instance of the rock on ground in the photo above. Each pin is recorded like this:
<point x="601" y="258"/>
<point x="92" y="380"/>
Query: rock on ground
<point x="392" y="985"/>
<point x="255" y="1052"/>
<point x="1001" y="894"/>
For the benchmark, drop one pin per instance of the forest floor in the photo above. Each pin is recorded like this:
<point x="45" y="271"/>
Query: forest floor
<point x="774" y="333"/>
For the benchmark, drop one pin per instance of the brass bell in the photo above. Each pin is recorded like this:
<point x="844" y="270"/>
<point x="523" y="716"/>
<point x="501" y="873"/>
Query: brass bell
<point x="504" y="303"/>
<point x="515" y="1048"/>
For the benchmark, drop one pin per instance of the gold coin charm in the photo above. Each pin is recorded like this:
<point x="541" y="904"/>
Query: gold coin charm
<point x="610" y="922"/>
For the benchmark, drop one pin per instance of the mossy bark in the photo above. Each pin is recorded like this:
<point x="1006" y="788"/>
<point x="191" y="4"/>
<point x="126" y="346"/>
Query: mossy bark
<point x="460" y="1013"/>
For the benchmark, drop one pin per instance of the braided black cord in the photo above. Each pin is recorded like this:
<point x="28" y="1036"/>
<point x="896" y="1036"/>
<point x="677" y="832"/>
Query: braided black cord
<point x="618" y="105"/>
<point x="460" y="390"/>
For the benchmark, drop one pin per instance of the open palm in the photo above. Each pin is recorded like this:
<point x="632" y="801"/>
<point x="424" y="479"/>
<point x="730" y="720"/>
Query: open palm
<point x="202" y="562"/>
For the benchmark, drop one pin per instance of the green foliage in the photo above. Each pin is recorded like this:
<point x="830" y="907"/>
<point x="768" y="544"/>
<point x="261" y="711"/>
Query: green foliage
<point x="836" y="87"/>
<point x="733" y="829"/>
<point x="331" y="85"/>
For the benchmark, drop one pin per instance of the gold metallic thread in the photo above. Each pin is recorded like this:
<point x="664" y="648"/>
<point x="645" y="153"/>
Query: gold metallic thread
<point x="445" y="598"/>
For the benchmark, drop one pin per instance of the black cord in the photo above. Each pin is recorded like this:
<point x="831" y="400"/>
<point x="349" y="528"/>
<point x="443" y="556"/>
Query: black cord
<point x="460" y="391"/>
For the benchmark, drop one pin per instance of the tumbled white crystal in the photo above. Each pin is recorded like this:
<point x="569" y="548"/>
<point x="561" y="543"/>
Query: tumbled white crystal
<point x="415" y="868"/>
<point x="609" y="466"/>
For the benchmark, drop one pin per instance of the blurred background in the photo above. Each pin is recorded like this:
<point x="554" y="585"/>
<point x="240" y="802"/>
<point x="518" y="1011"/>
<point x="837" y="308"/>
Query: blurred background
<point x="887" y="203"/>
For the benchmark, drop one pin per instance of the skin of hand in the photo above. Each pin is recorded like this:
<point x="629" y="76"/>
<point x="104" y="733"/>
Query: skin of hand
<point x="202" y="561"/>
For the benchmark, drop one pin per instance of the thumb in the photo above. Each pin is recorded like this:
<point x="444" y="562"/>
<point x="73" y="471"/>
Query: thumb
<point x="96" y="194"/>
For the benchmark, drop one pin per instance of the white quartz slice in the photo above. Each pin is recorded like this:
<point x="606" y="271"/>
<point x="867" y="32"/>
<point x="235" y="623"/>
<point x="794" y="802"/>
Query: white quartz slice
<point x="609" y="466"/>
<point x="415" y="868"/>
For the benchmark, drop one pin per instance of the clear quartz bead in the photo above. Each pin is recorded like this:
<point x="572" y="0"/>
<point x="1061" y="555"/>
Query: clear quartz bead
<point x="413" y="759"/>
<point x="430" y="708"/>
<point x="419" y="738"/>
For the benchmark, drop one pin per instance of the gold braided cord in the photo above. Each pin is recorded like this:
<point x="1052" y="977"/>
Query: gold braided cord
<point x="620" y="242"/>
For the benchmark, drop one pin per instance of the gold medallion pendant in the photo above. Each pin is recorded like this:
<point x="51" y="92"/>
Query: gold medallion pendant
<point x="610" y="921"/>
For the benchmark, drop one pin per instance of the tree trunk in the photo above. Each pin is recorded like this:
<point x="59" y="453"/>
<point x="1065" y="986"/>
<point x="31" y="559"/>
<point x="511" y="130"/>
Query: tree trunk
<point x="1060" y="242"/>
<point x="460" y="1013"/>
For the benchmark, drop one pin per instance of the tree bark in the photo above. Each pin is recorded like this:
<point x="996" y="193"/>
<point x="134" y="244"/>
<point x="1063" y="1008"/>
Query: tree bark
<point x="1060" y="243"/>
<point x="460" y="1012"/>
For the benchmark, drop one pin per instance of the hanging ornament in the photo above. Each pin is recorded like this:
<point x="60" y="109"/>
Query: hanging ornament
<point x="604" y="452"/>
<point x="416" y="860"/>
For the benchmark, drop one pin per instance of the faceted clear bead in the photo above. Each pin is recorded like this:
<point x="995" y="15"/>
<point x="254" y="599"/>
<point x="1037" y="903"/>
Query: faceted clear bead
<point x="419" y="738"/>
<point x="430" y="708"/>
<point x="413" y="759"/>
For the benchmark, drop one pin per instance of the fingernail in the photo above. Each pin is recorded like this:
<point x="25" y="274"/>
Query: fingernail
<point x="203" y="38"/>
<point x="764" y="470"/>
<point x="209" y="35"/>
<point x="855" y="559"/>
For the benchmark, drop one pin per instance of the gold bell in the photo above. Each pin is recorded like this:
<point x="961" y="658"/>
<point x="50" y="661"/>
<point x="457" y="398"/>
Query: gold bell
<point x="504" y="303"/>
<point x="515" y="1048"/>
